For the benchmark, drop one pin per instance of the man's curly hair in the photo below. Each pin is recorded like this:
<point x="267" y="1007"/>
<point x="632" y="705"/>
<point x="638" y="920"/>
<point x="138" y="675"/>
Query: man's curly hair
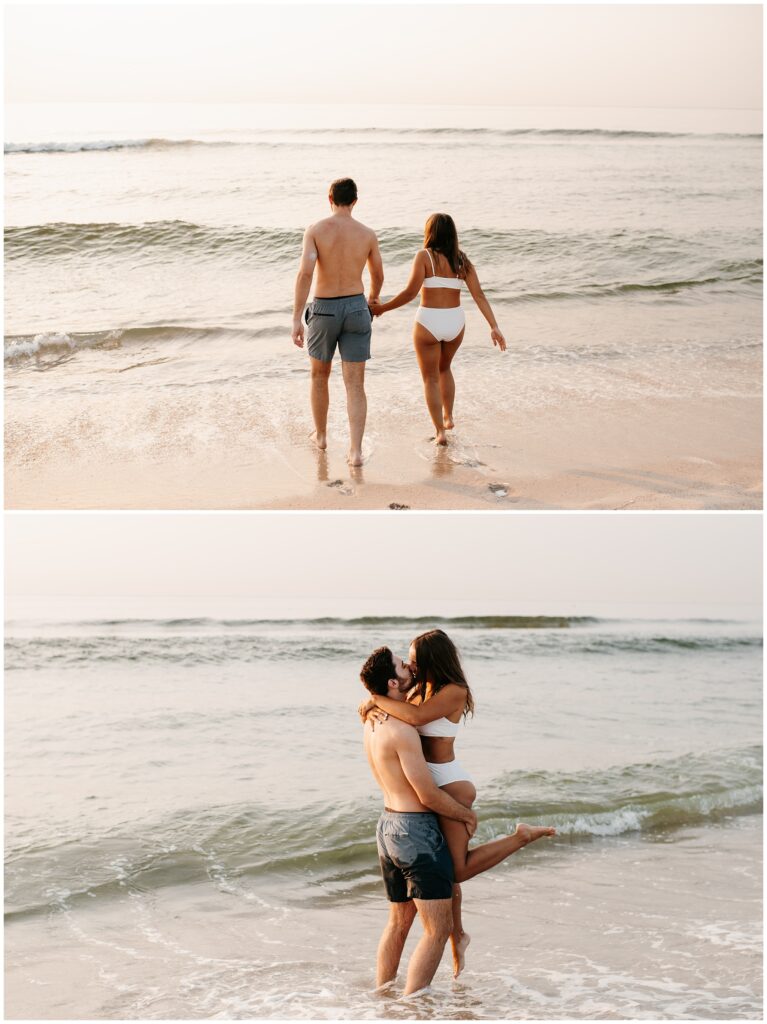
<point x="378" y="670"/>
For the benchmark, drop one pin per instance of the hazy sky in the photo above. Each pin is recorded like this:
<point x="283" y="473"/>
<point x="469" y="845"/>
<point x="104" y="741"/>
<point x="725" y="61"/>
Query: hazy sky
<point x="522" y="55"/>
<point x="325" y="564"/>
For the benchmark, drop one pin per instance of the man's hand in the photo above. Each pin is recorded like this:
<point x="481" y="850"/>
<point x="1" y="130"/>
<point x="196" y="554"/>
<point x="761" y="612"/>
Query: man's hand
<point x="372" y="304"/>
<point x="298" y="331"/>
<point x="471" y="827"/>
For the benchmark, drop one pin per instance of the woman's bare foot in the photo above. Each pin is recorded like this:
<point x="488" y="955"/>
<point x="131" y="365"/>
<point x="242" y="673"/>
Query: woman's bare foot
<point x="448" y="421"/>
<point x="440" y="438"/>
<point x="529" y="833"/>
<point x="318" y="440"/>
<point x="459" y="952"/>
<point x="354" y="458"/>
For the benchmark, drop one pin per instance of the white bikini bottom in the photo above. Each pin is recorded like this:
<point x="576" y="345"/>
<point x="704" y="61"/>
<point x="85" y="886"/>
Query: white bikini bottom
<point x="450" y="771"/>
<point x="444" y="324"/>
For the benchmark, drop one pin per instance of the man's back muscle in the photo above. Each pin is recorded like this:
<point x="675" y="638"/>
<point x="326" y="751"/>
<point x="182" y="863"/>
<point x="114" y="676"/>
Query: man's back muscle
<point x="343" y="247"/>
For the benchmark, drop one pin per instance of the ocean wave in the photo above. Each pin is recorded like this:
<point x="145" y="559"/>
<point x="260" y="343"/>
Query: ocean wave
<point x="464" y="621"/>
<point x="745" y="272"/>
<point x="321" y="851"/>
<point x="292" y="137"/>
<point x="246" y="643"/>
<point x="525" y="266"/>
<point x="54" y="346"/>
<point x="63" y="238"/>
<point x="105" y="145"/>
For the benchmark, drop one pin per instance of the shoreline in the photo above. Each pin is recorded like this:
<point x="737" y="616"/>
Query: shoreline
<point x="575" y="953"/>
<point x="676" y="453"/>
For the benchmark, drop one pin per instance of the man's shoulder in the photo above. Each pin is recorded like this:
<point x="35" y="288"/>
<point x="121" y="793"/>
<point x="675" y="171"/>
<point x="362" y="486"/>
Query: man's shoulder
<point x="318" y="225"/>
<point x="367" y="230"/>
<point x="392" y="730"/>
<point x="400" y="730"/>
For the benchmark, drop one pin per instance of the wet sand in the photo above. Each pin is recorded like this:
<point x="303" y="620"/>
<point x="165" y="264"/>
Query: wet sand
<point x="675" y="453"/>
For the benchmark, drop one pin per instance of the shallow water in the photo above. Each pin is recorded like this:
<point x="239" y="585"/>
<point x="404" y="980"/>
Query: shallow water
<point x="188" y="799"/>
<point x="150" y="259"/>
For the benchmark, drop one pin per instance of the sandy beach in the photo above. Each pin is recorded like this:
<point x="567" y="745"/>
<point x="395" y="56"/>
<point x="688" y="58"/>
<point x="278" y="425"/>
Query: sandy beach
<point x="673" y="453"/>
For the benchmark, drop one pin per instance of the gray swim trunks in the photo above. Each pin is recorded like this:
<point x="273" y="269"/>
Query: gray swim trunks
<point x="415" y="859"/>
<point x="343" y="321"/>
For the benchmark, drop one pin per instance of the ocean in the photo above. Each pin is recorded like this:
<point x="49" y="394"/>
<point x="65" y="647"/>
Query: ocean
<point x="190" y="819"/>
<point x="150" y="255"/>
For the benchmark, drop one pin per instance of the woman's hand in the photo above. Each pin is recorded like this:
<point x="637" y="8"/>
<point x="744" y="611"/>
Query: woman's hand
<point x="498" y="338"/>
<point x="365" y="708"/>
<point x="376" y="307"/>
<point x="369" y="710"/>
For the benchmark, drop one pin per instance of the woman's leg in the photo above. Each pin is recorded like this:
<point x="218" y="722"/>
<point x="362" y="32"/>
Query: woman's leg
<point x="427" y="350"/>
<point x="468" y="863"/>
<point x="465" y="793"/>
<point x="446" y="381"/>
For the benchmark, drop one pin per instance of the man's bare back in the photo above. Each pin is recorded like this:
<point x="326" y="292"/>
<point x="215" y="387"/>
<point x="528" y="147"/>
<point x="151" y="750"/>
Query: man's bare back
<point x="337" y="249"/>
<point x="344" y="247"/>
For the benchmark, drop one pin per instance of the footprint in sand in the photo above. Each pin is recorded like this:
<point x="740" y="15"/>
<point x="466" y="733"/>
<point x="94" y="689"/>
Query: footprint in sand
<point x="339" y="486"/>
<point x="499" y="490"/>
<point x="397" y="506"/>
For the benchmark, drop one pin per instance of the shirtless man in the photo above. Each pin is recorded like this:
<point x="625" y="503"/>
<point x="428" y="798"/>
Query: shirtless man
<point x="339" y="247"/>
<point x="415" y="860"/>
<point x="407" y="845"/>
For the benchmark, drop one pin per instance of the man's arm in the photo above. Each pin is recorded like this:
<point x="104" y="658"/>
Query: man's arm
<point x="414" y="766"/>
<point x="303" y="284"/>
<point x="375" y="269"/>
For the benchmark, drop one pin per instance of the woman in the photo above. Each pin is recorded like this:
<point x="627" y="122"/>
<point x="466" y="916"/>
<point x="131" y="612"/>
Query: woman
<point x="440" y="698"/>
<point x="438" y="272"/>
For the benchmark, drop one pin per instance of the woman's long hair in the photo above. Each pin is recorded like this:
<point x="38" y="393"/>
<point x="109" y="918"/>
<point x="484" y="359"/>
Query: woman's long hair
<point x="441" y="236"/>
<point x="437" y="662"/>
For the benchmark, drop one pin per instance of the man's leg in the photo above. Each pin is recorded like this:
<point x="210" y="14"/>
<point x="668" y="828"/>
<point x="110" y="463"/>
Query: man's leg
<point x="401" y="917"/>
<point x="320" y="401"/>
<point x="356" y="407"/>
<point x="437" y="919"/>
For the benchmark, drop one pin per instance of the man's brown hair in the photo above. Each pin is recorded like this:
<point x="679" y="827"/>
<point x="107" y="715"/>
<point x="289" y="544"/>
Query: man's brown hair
<point x="343" y="192"/>
<point x="378" y="670"/>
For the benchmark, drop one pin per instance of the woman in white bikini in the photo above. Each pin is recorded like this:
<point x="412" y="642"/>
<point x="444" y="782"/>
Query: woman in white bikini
<point x="440" y="698"/>
<point x="438" y="272"/>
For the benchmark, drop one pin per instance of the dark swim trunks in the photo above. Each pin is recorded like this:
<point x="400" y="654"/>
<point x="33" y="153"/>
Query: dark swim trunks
<point x="415" y="860"/>
<point x="344" y="321"/>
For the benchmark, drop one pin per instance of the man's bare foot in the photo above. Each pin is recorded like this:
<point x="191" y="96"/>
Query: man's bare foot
<point x="440" y="438"/>
<point x="459" y="952"/>
<point x="529" y="833"/>
<point x="318" y="440"/>
<point x="354" y="458"/>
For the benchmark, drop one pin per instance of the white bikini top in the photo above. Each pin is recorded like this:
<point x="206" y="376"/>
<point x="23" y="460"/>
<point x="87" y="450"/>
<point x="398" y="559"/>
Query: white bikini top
<point x="439" y="727"/>
<point x="440" y="282"/>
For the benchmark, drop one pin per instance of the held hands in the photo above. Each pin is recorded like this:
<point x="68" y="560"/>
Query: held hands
<point x="298" y="332"/>
<point x="376" y="307"/>
<point x="498" y="338"/>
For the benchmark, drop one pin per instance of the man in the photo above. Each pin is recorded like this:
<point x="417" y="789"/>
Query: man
<point x="339" y="247"/>
<point x="415" y="861"/>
